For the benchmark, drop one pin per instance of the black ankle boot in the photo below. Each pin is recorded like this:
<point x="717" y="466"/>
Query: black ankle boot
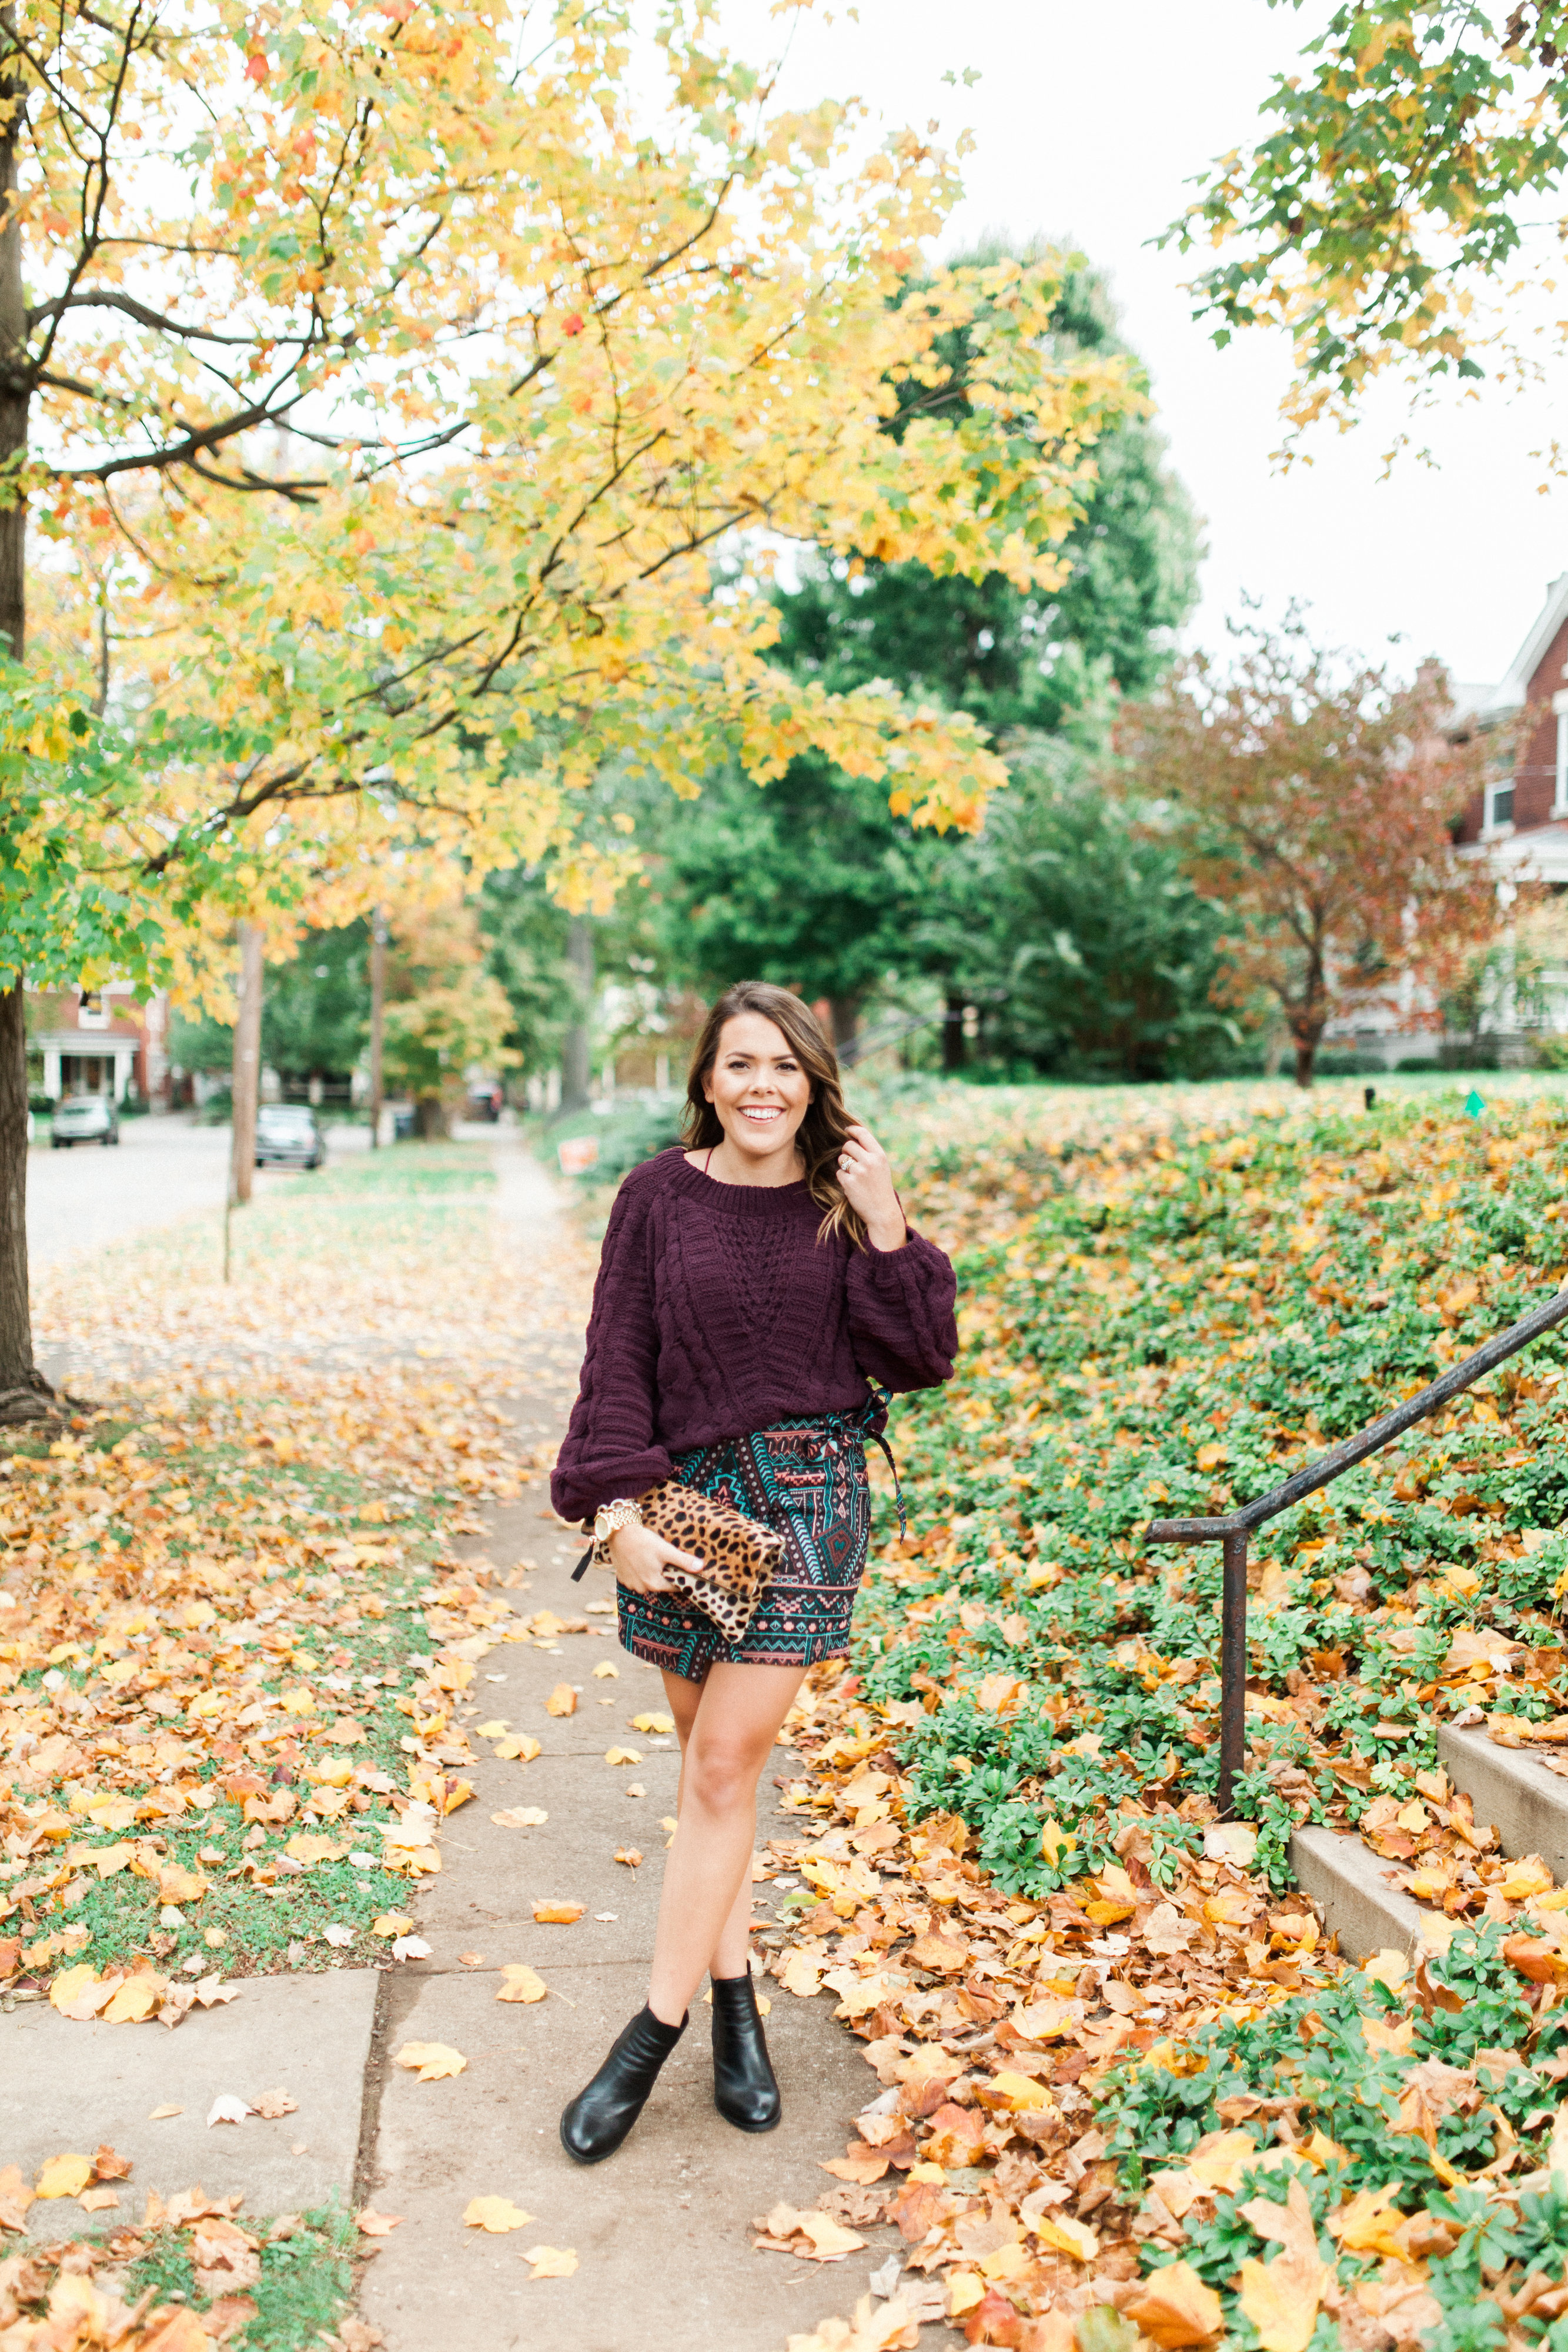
<point x="599" y="2118"/>
<point x="744" y="2087"/>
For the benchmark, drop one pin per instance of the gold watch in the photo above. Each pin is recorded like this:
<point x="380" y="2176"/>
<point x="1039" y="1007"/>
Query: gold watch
<point x="606" y="1519"/>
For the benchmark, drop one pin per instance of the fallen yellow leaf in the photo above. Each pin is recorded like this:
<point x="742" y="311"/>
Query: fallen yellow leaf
<point x="107" y="1859"/>
<point x="559" y="1915"/>
<point x="64" y="2176"/>
<point x="517" y="1748"/>
<point x="827" y="2238"/>
<point x="136" y="1999"/>
<point x="1017" y="2089"/>
<point x="430" y="2060"/>
<point x="1281" y="2301"/>
<point x="1372" y="2224"/>
<point x="656" y="1723"/>
<point x="1282" y="2297"/>
<point x="1067" y="2237"/>
<point x="310" y="1849"/>
<point x="497" y="2214"/>
<point x="78" y="1992"/>
<point x="562" y="1700"/>
<point x="520" y="1983"/>
<point x="622" y="1756"/>
<point x="391" y="1922"/>
<point x="376" y="2225"/>
<point x="520" y="1816"/>
<point x="1522" y="1879"/>
<point x="1175" y="2309"/>
<point x="551" y="2262"/>
<point x="1054" y="1841"/>
<point x="801" y="1976"/>
<point x="176" y="1885"/>
<point x="605" y="1672"/>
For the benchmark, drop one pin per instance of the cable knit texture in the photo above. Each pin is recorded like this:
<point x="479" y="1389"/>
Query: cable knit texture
<point x="717" y="1311"/>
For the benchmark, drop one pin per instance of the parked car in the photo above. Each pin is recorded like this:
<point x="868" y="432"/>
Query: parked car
<point x="85" y="1119"/>
<point x="289" y="1133"/>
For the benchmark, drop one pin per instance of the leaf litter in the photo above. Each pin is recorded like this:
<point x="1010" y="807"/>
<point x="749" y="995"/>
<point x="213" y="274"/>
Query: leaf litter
<point x="115" y="2291"/>
<point x="1128" y="2096"/>
<point x="234" y="1643"/>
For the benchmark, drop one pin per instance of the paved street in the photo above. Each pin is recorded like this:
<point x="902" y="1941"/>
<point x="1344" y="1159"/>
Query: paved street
<point x="160" y="1171"/>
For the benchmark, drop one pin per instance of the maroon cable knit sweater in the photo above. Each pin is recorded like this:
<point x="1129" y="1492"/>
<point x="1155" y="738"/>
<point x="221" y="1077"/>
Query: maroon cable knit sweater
<point x="717" y="1311"/>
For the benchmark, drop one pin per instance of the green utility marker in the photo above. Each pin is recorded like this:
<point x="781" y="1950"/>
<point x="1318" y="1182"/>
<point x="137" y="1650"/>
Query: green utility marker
<point x="1475" y="1104"/>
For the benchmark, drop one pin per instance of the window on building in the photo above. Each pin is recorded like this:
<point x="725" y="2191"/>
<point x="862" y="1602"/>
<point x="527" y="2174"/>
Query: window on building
<point x="90" y="1014"/>
<point x="1560" y="789"/>
<point x="1500" y="804"/>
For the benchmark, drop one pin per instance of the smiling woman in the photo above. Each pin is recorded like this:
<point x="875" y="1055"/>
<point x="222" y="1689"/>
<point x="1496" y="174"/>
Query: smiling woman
<point x="759" y="1298"/>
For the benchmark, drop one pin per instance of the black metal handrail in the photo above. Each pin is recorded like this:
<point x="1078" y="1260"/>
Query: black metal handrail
<point x="1233" y="1530"/>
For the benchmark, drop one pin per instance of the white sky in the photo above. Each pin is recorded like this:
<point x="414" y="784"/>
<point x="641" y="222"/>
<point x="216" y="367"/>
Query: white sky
<point x="1088" y="123"/>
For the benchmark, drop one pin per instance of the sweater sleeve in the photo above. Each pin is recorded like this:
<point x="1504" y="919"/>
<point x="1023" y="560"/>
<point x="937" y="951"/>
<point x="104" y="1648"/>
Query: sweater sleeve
<point x="902" y="1319"/>
<point x="610" y="1448"/>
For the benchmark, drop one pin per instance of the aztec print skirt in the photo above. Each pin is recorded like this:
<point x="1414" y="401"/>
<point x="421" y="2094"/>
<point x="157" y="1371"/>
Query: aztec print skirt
<point x="805" y="1477"/>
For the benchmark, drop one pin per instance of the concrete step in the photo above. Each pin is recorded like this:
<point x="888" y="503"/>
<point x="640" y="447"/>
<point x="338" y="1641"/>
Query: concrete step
<point x="1512" y="1791"/>
<point x="1352" y="1890"/>
<point x="1522" y="1799"/>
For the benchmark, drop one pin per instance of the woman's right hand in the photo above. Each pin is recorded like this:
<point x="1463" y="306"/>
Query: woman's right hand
<point x="637" y="1555"/>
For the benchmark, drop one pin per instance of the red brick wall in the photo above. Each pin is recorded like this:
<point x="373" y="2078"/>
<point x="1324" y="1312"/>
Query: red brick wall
<point x="1535" y="774"/>
<point x="1536" y="781"/>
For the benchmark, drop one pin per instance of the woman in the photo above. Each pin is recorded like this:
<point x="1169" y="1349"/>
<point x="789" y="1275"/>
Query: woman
<point x="752" y="1283"/>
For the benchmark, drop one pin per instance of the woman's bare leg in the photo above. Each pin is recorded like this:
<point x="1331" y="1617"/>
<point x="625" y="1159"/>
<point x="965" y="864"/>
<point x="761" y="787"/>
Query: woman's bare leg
<point x="730" y="1737"/>
<point x="731" y="1956"/>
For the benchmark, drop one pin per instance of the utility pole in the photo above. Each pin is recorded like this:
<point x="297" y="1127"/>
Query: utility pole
<point x="247" y="1075"/>
<point x="576" y="1047"/>
<point x="378" y="1018"/>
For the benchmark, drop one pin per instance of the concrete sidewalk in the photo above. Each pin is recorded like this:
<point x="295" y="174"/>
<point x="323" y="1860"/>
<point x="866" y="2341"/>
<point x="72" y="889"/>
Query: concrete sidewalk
<point x="69" y="2085"/>
<point x="661" y="2231"/>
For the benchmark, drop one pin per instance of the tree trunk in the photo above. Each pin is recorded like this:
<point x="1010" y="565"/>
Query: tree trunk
<point x="247" y="1063"/>
<point x="1306" y="1055"/>
<point x="846" y="1013"/>
<point x="955" y="1045"/>
<point x="14" y="389"/>
<point x="378" y="1018"/>
<point x="23" y="1393"/>
<point x="577" y="1046"/>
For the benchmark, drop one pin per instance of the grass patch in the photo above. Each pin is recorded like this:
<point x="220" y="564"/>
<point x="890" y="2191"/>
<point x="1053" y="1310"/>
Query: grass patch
<point x="306" y="2285"/>
<point x="211" y="1601"/>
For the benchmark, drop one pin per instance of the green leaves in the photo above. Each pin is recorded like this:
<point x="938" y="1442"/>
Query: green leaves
<point x="1397" y="177"/>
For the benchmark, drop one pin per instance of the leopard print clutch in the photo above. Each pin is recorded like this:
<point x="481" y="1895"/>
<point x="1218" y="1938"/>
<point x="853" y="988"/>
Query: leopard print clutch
<point x="738" y="1554"/>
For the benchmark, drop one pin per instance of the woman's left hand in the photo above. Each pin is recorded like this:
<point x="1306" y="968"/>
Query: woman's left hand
<point x="867" y="1180"/>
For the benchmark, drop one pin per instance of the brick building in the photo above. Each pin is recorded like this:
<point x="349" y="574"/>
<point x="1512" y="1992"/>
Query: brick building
<point x="1522" y="814"/>
<point x="97" y="1042"/>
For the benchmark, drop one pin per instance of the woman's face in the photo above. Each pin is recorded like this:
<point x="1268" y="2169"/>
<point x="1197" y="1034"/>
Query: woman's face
<point x="758" y="1085"/>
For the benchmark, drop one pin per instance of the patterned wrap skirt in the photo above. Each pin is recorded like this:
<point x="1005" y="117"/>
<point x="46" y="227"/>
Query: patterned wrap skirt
<point x="806" y="1477"/>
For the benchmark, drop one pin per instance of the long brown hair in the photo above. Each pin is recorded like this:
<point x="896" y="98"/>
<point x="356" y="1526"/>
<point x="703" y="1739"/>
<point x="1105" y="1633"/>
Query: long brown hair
<point x="826" y="1126"/>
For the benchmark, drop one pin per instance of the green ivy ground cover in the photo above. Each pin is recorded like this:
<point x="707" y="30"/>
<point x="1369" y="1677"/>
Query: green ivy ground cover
<point x="1138" y="2034"/>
